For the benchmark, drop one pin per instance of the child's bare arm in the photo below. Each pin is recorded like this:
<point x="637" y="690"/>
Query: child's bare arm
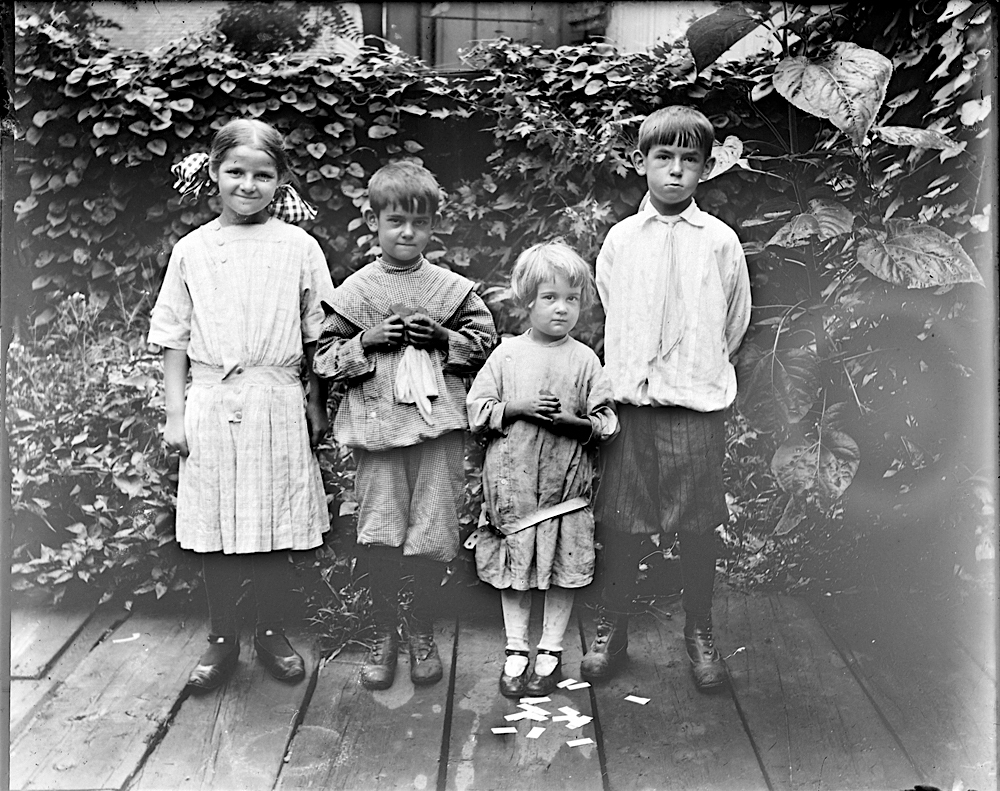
<point x="316" y="414"/>
<point x="175" y="369"/>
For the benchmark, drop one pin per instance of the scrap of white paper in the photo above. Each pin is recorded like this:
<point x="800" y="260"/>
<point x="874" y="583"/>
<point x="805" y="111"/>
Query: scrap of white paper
<point x="579" y="742"/>
<point x="517" y="715"/>
<point x="135" y="636"/>
<point x="533" y="708"/>
<point x="536" y="700"/>
<point x="505" y="730"/>
<point x="569" y="710"/>
<point x="637" y="699"/>
<point x="535" y="732"/>
<point x="580" y="685"/>
<point x="566" y="682"/>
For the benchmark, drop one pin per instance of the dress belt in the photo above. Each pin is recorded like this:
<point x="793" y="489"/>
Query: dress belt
<point x="210" y="375"/>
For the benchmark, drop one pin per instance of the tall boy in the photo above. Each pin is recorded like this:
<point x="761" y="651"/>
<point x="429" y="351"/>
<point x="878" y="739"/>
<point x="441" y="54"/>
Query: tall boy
<point x="407" y="434"/>
<point x="674" y="284"/>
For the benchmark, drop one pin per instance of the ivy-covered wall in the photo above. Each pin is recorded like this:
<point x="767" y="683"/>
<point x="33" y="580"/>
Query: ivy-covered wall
<point x="864" y="214"/>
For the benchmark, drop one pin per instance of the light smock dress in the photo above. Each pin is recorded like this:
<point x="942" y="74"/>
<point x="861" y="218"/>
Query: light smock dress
<point x="528" y="467"/>
<point x="242" y="300"/>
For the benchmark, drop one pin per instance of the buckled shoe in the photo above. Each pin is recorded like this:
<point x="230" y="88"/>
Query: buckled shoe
<point x="607" y="652"/>
<point x="277" y="655"/>
<point x="513" y="686"/>
<point x="540" y="686"/>
<point x="707" y="667"/>
<point x="379" y="670"/>
<point x="216" y="664"/>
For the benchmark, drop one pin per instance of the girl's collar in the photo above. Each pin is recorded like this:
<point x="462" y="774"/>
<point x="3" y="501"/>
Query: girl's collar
<point x="531" y="337"/>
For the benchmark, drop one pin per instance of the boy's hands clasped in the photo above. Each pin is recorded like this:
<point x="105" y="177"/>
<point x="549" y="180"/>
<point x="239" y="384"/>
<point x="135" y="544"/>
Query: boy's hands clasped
<point x="418" y="330"/>
<point x="546" y="410"/>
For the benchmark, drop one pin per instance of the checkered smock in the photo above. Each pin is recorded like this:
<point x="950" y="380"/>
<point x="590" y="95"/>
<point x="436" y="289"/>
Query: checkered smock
<point x="242" y="301"/>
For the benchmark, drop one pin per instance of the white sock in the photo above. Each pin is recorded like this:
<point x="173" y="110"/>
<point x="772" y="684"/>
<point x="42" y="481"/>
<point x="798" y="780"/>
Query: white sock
<point x="545" y="664"/>
<point x="558" y="608"/>
<point x="515" y="665"/>
<point x="516" y="607"/>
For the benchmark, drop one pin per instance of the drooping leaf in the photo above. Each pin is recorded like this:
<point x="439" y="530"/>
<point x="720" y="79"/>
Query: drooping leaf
<point x="847" y="86"/>
<point x="822" y="469"/>
<point x="912" y="136"/>
<point x="777" y="386"/>
<point x="791" y="517"/>
<point x="712" y="35"/>
<point x="725" y="154"/>
<point x="378" y="131"/>
<point x="825" y="219"/>
<point x="915" y="255"/>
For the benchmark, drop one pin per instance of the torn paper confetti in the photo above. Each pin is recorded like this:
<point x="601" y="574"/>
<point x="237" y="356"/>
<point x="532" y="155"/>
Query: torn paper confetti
<point x="510" y="729"/>
<point x="566" y="682"/>
<point x="569" y="710"/>
<point x="135" y="636"/>
<point x="580" y="685"/>
<point x="637" y="699"/>
<point x="535" y="732"/>
<point x="535" y="700"/>
<point x="579" y="742"/>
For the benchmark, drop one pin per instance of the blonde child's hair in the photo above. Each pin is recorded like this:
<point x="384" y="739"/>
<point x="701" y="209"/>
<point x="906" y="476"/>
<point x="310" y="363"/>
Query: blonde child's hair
<point x="677" y="125"/>
<point x="542" y="262"/>
<point x="406" y="184"/>
<point x="255" y="134"/>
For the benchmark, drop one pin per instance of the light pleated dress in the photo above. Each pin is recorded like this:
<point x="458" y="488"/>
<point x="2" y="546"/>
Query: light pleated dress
<point x="242" y="301"/>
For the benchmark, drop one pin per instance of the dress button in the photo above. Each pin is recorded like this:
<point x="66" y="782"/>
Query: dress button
<point x="239" y="370"/>
<point x="239" y="416"/>
<point x="221" y="242"/>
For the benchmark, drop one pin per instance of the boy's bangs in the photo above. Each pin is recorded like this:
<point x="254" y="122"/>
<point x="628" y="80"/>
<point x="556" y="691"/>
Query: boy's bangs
<point x="678" y="135"/>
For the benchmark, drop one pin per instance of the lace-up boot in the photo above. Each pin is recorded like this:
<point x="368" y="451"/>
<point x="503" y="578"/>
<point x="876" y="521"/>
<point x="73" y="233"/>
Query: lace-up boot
<point x="707" y="667"/>
<point x="425" y="663"/>
<point x="379" y="670"/>
<point x="608" y="650"/>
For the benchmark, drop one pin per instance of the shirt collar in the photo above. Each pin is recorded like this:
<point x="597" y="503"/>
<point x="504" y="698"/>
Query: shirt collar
<point x="692" y="214"/>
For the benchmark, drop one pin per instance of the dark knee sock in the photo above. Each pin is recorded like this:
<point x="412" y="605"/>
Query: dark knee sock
<point x="422" y="578"/>
<point x="698" y="555"/>
<point x="223" y="575"/>
<point x="385" y="580"/>
<point x="272" y="588"/>
<point x="621" y="552"/>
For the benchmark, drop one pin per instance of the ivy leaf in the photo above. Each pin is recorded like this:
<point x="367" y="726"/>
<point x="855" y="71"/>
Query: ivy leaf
<point x="316" y="150"/>
<point x="378" y="131"/>
<point x="158" y="146"/>
<point x="726" y="154"/>
<point x="912" y="136"/>
<point x="915" y="255"/>
<point x="106" y="128"/>
<point x="712" y="35"/>
<point x="777" y="385"/>
<point x="847" y="86"/>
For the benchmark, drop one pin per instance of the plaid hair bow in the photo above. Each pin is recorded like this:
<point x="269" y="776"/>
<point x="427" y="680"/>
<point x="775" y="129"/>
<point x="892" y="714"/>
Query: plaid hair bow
<point x="193" y="179"/>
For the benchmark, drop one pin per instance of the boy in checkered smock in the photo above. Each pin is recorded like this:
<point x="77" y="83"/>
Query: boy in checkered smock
<point x="401" y="334"/>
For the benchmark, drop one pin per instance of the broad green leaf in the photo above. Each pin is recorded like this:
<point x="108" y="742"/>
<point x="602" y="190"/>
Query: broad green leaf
<point x="825" y="219"/>
<point x="712" y="35"/>
<point x="822" y="469"/>
<point x="158" y="146"/>
<point x="915" y="255"/>
<point x="847" y="86"/>
<point x="316" y="150"/>
<point x="911" y="136"/>
<point x="791" y="517"/>
<point x="976" y="110"/>
<point x="777" y="386"/>
<point x="726" y="154"/>
<point x="106" y="128"/>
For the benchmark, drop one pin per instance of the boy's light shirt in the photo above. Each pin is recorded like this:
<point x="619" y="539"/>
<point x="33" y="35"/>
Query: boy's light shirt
<point x="676" y="293"/>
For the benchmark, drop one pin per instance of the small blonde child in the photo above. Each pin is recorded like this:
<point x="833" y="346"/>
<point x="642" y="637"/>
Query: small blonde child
<point x="543" y="403"/>
<point x="240" y="310"/>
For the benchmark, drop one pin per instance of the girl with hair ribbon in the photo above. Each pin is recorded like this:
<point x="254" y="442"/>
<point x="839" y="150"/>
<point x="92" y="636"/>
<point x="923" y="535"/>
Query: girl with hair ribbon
<point x="240" y="310"/>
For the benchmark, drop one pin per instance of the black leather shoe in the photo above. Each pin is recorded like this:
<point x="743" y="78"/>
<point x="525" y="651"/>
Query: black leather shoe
<point x="380" y="670"/>
<point x="425" y="662"/>
<point x="216" y="663"/>
<point x="608" y="650"/>
<point x="277" y="655"/>
<point x="539" y="686"/>
<point x="513" y="686"/>
<point x="707" y="667"/>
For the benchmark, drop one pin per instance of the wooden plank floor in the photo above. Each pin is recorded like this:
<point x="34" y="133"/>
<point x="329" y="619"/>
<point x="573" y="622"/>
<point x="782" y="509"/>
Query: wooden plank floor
<point x="838" y="692"/>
